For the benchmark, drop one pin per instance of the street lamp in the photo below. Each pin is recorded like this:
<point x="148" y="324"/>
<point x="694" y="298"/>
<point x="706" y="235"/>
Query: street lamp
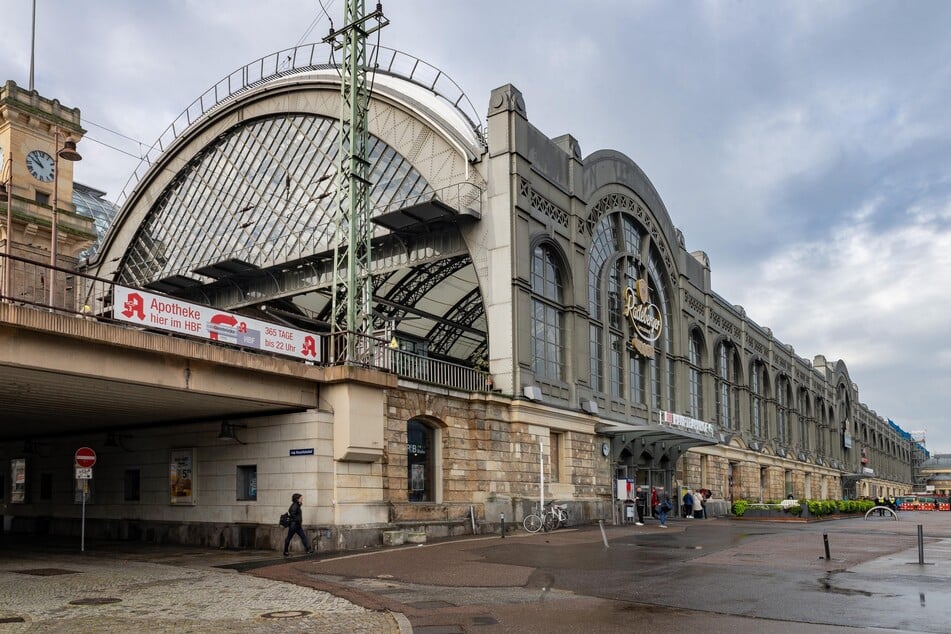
<point x="7" y="186"/>
<point x="69" y="153"/>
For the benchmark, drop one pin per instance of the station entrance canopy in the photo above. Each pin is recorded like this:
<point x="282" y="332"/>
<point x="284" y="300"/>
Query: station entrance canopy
<point x="657" y="444"/>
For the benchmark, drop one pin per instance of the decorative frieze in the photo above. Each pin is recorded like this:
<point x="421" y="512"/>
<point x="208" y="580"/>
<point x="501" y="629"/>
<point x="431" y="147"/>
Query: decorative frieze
<point x="693" y="303"/>
<point x="541" y="205"/>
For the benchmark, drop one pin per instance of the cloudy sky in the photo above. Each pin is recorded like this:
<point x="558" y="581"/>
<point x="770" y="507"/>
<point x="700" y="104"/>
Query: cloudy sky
<point x="805" y="146"/>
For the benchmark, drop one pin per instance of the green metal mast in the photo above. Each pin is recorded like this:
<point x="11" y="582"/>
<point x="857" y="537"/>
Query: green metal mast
<point x="352" y="282"/>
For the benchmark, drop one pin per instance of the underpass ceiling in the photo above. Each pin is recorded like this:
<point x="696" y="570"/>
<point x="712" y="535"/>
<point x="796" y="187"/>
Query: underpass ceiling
<point x="40" y="404"/>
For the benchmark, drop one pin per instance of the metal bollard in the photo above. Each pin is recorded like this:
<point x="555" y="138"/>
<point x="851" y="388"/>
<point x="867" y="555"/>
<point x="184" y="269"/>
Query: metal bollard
<point x="825" y="541"/>
<point x="921" y="547"/>
<point x="502" y="524"/>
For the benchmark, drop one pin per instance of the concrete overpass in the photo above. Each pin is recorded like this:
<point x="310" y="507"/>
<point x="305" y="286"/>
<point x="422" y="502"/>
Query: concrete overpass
<point x="63" y="375"/>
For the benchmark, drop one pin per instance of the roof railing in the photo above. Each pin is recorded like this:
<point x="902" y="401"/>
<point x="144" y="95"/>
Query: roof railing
<point x="302" y="59"/>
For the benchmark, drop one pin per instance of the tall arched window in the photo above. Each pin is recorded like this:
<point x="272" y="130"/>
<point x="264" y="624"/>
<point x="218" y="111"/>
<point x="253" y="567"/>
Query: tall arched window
<point x="759" y="388"/>
<point x="803" y="407"/>
<point x="602" y="248"/>
<point x="620" y="254"/>
<point x="782" y="408"/>
<point x="728" y="378"/>
<point x="821" y="423"/>
<point x="695" y="363"/>
<point x="548" y="319"/>
<point x="420" y="461"/>
<point x="662" y="365"/>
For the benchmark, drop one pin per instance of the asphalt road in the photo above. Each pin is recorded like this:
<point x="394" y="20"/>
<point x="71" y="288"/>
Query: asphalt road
<point x="717" y="575"/>
<point x="723" y="575"/>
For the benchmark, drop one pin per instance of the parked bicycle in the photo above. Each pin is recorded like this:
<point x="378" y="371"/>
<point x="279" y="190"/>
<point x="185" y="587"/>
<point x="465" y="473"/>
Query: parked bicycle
<point x="554" y="516"/>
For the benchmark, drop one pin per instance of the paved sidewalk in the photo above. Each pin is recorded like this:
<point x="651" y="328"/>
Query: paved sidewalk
<point x="123" y="588"/>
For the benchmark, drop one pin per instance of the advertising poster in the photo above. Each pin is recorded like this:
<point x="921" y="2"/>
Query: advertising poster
<point x="18" y="481"/>
<point x="181" y="476"/>
<point x="174" y="315"/>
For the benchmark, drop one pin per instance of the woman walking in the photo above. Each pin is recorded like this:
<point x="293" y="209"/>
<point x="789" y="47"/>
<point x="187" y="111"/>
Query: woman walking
<point x="296" y="525"/>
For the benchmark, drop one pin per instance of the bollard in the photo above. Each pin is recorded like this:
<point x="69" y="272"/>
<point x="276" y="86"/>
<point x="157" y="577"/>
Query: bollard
<point x="502" y="524"/>
<point x="921" y="547"/>
<point x="825" y="541"/>
<point x="604" y="537"/>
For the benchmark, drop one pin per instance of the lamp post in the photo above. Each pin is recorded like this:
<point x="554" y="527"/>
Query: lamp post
<point x="8" y="186"/>
<point x="69" y="153"/>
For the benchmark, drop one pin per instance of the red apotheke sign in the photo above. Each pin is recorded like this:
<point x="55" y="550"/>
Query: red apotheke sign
<point x="85" y="457"/>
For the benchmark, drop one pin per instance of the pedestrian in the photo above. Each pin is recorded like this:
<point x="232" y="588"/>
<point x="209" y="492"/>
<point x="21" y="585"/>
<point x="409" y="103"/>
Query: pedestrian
<point x="664" y="507"/>
<point x="697" y="505"/>
<point x="640" y="502"/>
<point x="296" y="525"/>
<point x="688" y="504"/>
<point x="655" y="502"/>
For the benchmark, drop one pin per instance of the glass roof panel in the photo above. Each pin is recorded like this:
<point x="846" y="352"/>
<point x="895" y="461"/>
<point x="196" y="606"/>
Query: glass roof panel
<point x="264" y="193"/>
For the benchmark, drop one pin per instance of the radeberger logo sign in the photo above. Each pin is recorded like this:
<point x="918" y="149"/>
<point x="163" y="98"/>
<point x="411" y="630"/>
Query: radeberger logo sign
<point x="644" y="317"/>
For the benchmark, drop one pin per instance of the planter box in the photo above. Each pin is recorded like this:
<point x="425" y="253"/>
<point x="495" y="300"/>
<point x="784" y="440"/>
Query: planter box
<point x="415" y="537"/>
<point x="394" y="538"/>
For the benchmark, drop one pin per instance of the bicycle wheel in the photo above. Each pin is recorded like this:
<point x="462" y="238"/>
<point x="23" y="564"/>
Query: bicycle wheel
<point x="562" y="518"/>
<point x="532" y="523"/>
<point x="550" y="522"/>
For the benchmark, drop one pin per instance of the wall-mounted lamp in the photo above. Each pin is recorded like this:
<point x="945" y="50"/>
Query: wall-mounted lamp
<point x="227" y="431"/>
<point x="67" y="152"/>
<point x="589" y="407"/>
<point x="532" y="392"/>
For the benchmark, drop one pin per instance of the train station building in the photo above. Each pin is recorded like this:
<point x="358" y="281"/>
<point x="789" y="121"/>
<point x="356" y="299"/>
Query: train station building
<point x="538" y="317"/>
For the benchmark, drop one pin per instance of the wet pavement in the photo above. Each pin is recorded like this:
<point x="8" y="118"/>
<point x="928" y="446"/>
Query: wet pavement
<point x="129" y="587"/>
<point x="696" y="576"/>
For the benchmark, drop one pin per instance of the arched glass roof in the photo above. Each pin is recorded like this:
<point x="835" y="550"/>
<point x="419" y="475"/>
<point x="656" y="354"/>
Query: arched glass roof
<point x="263" y="194"/>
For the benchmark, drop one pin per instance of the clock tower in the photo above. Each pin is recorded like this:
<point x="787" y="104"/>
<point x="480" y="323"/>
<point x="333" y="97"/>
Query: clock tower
<point x="33" y="129"/>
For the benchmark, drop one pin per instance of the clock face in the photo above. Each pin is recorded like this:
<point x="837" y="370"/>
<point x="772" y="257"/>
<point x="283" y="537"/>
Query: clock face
<point x="40" y="165"/>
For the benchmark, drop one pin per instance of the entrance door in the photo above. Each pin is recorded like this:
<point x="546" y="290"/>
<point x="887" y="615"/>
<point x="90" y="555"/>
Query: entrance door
<point x="660" y="479"/>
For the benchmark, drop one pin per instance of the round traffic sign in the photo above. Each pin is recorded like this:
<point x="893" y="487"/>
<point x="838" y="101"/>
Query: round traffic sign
<point x="85" y="457"/>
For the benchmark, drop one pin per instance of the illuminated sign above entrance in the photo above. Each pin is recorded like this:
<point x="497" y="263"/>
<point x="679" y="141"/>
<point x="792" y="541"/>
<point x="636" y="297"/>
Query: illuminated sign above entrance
<point x="644" y="318"/>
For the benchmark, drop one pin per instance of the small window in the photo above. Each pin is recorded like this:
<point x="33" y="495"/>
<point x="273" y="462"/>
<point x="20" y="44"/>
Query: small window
<point x="42" y="198"/>
<point x="130" y="486"/>
<point x="555" y="439"/>
<point x="247" y="482"/>
<point x="420" y="462"/>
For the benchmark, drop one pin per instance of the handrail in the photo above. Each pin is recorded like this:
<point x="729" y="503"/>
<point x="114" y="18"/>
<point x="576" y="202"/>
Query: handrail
<point x="297" y="60"/>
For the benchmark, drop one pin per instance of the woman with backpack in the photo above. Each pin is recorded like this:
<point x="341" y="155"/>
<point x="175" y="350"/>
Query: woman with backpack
<point x="295" y="527"/>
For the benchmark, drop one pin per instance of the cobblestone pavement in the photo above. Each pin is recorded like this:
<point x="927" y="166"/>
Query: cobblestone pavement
<point x="99" y="592"/>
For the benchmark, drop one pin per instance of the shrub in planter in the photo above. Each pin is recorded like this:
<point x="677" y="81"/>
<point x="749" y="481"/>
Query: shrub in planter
<point x="739" y="507"/>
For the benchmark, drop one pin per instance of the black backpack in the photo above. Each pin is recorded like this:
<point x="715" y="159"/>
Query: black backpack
<point x="285" y="520"/>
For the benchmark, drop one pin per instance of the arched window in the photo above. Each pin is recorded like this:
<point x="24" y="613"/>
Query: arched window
<point x="803" y="407"/>
<point x="782" y="408"/>
<point x="619" y="256"/>
<point x="548" y="318"/>
<point x="421" y="450"/>
<point x="758" y="424"/>
<point x="728" y="378"/>
<point x="602" y="247"/>
<point x="694" y="371"/>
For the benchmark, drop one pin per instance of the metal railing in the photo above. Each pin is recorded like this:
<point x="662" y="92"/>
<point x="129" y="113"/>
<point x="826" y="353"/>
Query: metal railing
<point x="26" y="283"/>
